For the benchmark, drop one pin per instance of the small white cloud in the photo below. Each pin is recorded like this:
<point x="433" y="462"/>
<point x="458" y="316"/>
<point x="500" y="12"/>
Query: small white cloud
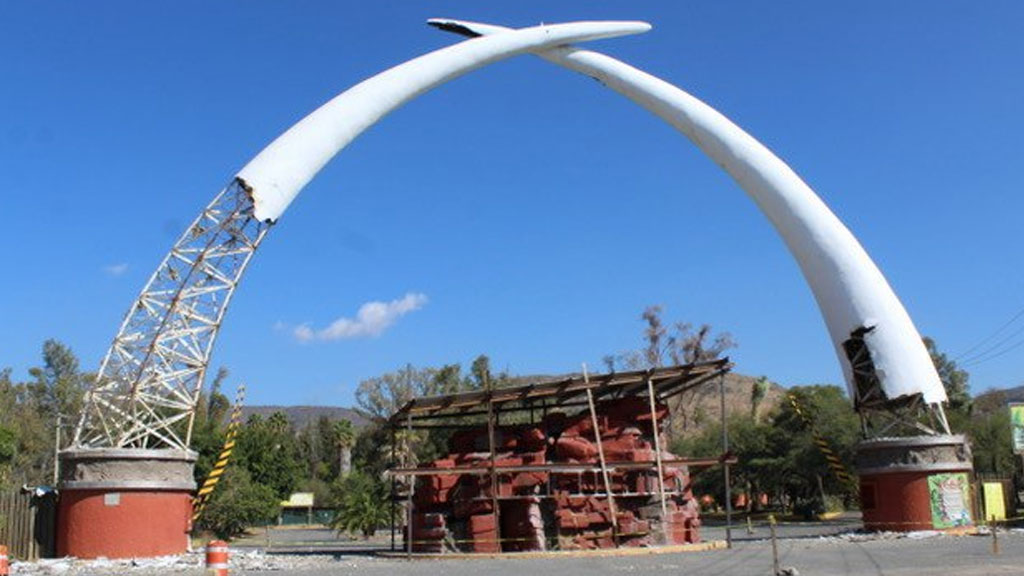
<point x="304" y="333"/>
<point x="116" y="270"/>
<point x="371" y="320"/>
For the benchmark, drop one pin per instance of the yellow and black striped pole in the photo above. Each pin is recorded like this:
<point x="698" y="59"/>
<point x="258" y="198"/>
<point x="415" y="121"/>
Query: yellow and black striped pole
<point x="206" y="492"/>
<point x="834" y="463"/>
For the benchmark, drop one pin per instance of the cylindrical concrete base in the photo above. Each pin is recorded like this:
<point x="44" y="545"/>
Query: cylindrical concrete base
<point x="124" y="503"/>
<point x="915" y="483"/>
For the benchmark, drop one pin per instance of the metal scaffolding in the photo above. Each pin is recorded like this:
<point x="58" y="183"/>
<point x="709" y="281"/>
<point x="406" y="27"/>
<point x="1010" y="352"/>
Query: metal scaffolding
<point x="481" y="410"/>
<point x="149" y="382"/>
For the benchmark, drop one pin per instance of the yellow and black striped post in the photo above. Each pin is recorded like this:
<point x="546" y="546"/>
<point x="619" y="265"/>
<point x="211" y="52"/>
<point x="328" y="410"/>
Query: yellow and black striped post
<point x="834" y="463"/>
<point x="206" y="492"/>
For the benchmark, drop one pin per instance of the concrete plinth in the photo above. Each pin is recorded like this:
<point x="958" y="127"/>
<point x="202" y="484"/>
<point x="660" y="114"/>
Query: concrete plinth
<point x="899" y="477"/>
<point x="124" y="503"/>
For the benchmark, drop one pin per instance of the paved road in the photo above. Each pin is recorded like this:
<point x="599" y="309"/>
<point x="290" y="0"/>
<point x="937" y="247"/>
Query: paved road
<point x="312" y="540"/>
<point x="826" y="548"/>
<point x="837" y="555"/>
<point x="940" y="555"/>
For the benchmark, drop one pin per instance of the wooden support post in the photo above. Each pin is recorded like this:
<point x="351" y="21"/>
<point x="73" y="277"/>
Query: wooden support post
<point x="56" y="448"/>
<point x="547" y="444"/>
<point x="725" y="465"/>
<point x="600" y="455"/>
<point x="394" y="487"/>
<point x="412" y="489"/>
<point x="775" y="547"/>
<point x="995" y="538"/>
<point x="495" y="487"/>
<point x="657" y="459"/>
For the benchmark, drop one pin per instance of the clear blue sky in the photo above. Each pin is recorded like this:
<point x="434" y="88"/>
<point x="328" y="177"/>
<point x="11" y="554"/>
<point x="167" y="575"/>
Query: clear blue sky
<point x="536" y="212"/>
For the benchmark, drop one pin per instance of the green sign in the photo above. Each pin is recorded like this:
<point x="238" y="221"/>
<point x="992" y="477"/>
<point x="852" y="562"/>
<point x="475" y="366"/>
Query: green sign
<point x="1017" y="423"/>
<point x="950" y="499"/>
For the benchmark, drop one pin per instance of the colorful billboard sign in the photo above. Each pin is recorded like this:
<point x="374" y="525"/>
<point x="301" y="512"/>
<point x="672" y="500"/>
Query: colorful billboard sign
<point x="995" y="502"/>
<point x="1017" y="424"/>
<point x="950" y="500"/>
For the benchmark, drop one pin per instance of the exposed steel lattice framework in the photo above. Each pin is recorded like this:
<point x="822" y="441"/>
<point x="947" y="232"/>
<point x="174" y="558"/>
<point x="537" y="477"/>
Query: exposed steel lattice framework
<point x="149" y="382"/>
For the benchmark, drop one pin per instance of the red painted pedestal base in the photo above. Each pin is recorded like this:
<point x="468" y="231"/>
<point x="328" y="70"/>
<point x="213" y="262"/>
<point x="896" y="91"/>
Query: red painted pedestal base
<point x="124" y="503"/>
<point x="896" y="502"/>
<point x="128" y="524"/>
<point x="894" y="483"/>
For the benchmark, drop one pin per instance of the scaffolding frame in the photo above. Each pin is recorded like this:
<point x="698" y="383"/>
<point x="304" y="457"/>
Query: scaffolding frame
<point x="583" y="392"/>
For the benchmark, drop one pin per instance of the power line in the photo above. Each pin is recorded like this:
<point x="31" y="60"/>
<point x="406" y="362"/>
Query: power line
<point x="1016" y="345"/>
<point x="991" y="336"/>
<point x="994" y="348"/>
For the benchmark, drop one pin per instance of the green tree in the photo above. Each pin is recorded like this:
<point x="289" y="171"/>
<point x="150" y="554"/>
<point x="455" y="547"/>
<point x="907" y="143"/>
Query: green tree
<point x="758" y="390"/>
<point x="955" y="380"/>
<point x="750" y="442"/>
<point x="238" y="504"/>
<point x="991" y="436"/>
<point x="779" y="456"/>
<point x="8" y="447"/>
<point x="381" y="396"/>
<point x="344" y="439"/>
<point x="8" y="436"/>
<point x="268" y="451"/>
<point x="59" y="386"/>
<point x="833" y="418"/>
<point x="371" y="453"/>
<point x="361" y="504"/>
<point x="30" y="411"/>
<point x="208" y="433"/>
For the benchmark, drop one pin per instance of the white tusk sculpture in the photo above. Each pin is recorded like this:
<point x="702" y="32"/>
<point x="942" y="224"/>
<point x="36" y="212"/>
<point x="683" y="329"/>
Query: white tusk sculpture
<point x="284" y="167"/>
<point x="858" y="305"/>
<point x="148" y="384"/>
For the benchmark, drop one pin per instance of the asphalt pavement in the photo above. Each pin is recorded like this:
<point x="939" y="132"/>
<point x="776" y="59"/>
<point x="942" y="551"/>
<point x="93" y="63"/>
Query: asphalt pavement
<point x="819" y="548"/>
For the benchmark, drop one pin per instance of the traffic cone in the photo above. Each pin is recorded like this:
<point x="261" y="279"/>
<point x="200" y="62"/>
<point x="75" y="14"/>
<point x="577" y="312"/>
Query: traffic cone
<point x="216" y="558"/>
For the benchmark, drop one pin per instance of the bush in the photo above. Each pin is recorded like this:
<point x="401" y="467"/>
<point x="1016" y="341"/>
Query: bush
<point x="809" y="508"/>
<point x="834" y="503"/>
<point x="238" y="503"/>
<point x="361" y="504"/>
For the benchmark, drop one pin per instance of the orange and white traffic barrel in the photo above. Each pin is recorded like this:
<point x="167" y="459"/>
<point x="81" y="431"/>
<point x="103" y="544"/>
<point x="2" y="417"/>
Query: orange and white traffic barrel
<point x="217" y="558"/>
<point x="5" y="568"/>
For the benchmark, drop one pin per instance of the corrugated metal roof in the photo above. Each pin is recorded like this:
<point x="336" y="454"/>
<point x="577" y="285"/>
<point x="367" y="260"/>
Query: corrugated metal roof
<point x="667" y="382"/>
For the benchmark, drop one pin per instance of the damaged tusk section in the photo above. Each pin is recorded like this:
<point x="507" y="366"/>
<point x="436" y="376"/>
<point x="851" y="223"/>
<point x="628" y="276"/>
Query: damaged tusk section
<point x="876" y="342"/>
<point x="277" y="174"/>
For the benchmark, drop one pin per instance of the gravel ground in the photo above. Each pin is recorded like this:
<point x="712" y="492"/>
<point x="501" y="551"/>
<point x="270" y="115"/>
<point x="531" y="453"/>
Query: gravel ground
<point x="832" y="554"/>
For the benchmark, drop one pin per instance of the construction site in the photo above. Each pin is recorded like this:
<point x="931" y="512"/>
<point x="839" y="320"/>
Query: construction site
<point x="877" y="459"/>
<point x="576" y="464"/>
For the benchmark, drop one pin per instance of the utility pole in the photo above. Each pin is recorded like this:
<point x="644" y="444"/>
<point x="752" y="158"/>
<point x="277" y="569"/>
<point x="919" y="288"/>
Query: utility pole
<point x="56" y="449"/>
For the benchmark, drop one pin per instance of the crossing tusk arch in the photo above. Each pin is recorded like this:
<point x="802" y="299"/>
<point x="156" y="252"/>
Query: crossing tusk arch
<point x="874" y="338"/>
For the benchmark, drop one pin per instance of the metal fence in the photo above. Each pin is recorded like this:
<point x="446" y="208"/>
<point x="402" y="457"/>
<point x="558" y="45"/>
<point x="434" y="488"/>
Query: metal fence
<point x="27" y="526"/>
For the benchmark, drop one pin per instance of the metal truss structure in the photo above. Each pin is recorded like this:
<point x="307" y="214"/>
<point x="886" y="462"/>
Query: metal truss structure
<point x="149" y="382"/>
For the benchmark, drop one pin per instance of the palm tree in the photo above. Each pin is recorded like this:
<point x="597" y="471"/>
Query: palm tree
<point x="360" y="505"/>
<point x="758" y="390"/>
<point x="344" y="439"/>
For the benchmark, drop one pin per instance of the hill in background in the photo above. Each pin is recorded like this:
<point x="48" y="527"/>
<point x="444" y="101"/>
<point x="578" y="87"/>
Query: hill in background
<point x="694" y="411"/>
<point x="691" y="412"/>
<point x="302" y="416"/>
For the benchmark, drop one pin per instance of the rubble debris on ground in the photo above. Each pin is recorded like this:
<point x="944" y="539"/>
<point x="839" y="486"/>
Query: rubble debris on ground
<point x="859" y="536"/>
<point x="242" y="560"/>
